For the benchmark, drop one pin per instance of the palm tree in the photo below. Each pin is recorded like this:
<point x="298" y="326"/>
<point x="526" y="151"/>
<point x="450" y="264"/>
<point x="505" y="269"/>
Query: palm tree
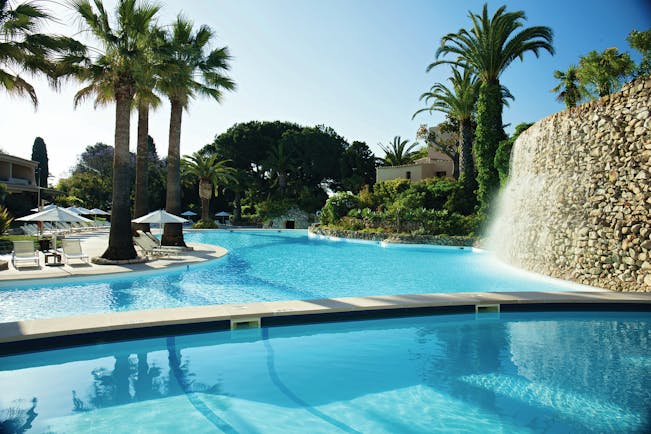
<point x="114" y="74"/>
<point x="457" y="103"/>
<point x="398" y="153"/>
<point x="210" y="172"/>
<point x="188" y="71"/>
<point x="488" y="49"/>
<point x="279" y="162"/>
<point x="570" y="90"/>
<point x="22" y="47"/>
<point x="144" y="99"/>
<point x="604" y="72"/>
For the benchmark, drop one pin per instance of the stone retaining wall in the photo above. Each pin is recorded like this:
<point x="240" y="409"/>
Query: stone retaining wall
<point x="437" y="240"/>
<point x="578" y="203"/>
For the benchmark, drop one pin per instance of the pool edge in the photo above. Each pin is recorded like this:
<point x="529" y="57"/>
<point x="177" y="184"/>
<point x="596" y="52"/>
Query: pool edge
<point x="20" y="336"/>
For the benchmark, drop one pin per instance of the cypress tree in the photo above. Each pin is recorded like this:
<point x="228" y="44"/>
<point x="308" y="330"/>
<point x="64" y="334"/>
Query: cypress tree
<point x="39" y="153"/>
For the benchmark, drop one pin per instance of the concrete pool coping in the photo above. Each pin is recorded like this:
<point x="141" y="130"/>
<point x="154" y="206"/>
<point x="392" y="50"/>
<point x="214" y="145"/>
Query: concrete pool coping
<point x="22" y="335"/>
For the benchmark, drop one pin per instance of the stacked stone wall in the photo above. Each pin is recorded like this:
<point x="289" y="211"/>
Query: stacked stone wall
<point x="578" y="203"/>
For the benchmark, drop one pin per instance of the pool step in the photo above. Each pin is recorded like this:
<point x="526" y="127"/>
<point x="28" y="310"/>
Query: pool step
<point x="249" y="322"/>
<point x="487" y="308"/>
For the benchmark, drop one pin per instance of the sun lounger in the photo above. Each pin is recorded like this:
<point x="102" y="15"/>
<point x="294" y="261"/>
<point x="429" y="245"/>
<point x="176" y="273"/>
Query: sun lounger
<point x="156" y="241"/>
<point x="30" y="229"/>
<point x="149" y="247"/>
<point x="72" y="250"/>
<point x="24" y="251"/>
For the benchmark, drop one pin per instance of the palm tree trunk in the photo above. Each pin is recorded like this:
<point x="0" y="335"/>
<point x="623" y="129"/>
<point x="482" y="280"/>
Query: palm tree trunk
<point x="141" y="206"/>
<point x="120" y="245"/>
<point x="488" y="135"/>
<point x="237" y="206"/>
<point x="466" y="162"/>
<point x="173" y="232"/>
<point x="205" y="194"/>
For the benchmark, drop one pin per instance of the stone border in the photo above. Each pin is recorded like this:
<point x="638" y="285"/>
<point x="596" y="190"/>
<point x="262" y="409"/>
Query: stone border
<point x="435" y="240"/>
<point x="294" y="311"/>
<point x="102" y="261"/>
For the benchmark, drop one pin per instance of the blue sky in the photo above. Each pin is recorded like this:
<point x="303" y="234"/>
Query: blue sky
<point x="355" y="65"/>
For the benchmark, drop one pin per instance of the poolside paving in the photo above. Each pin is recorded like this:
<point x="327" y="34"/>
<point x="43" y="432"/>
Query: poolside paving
<point x="94" y="244"/>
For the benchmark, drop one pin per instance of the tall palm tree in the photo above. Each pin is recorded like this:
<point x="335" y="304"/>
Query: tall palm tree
<point x="398" y="152"/>
<point x="488" y="48"/>
<point x="459" y="104"/>
<point x="114" y="74"/>
<point x="189" y="71"/>
<point x="210" y="172"/>
<point x="570" y="90"/>
<point x="604" y="72"/>
<point x="23" y="48"/>
<point x="144" y="100"/>
<point x="279" y="162"/>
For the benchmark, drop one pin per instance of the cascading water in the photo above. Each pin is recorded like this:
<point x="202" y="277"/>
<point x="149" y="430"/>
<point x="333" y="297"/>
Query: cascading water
<point x="524" y="229"/>
<point x="578" y="202"/>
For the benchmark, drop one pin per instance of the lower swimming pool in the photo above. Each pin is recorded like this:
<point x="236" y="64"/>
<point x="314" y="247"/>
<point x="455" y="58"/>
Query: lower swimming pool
<point x="517" y="373"/>
<point x="272" y="266"/>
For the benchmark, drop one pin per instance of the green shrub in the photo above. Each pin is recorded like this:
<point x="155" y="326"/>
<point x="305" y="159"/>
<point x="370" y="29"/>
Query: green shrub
<point x="337" y="206"/>
<point x="388" y="191"/>
<point x="274" y="207"/>
<point x="5" y="219"/>
<point x="350" y="224"/>
<point x="205" y="224"/>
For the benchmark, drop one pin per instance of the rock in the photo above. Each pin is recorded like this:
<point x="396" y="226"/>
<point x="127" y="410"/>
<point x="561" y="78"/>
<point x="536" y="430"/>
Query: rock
<point x="636" y="228"/>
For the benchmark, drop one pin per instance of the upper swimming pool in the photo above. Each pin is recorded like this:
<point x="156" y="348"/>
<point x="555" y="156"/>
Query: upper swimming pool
<point x="272" y="266"/>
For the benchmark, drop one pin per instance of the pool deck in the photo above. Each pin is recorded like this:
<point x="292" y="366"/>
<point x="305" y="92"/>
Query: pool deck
<point x="94" y="244"/>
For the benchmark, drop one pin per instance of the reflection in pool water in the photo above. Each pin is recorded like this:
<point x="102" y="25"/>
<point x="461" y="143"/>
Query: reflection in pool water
<point x="524" y="372"/>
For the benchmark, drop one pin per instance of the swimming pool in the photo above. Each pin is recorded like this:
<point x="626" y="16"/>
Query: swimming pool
<point x="517" y="373"/>
<point x="272" y="266"/>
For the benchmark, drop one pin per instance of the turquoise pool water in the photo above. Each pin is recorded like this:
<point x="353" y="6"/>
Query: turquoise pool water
<point x="519" y="373"/>
<point x="270" y="266"/>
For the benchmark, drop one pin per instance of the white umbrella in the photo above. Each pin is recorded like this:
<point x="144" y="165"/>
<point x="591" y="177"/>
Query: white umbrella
<point x="161" y="217"/>
<point x="189" y="213"/>
<point x="46" y="207"/>
<point x="97" y="211"/>
<point x="54" y="214"/>
<point x="222" y="214"/>
<point x="74" y="209"/>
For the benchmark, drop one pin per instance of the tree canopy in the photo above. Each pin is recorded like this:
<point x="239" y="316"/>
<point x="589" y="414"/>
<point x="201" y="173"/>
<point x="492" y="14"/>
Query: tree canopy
<point x="39" y="153"/>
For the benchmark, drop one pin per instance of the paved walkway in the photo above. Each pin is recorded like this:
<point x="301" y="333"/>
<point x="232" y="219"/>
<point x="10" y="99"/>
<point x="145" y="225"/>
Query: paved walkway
<point x="94" y="244"/>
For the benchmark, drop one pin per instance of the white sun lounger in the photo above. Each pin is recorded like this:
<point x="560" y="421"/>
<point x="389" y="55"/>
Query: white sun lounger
<point x="72" y="250"/>
<point x="24" y="251"/>
<point x="149" y="247"/>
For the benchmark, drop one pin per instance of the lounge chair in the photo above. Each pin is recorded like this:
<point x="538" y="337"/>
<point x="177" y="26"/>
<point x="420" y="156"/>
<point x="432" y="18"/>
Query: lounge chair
<point x="72" y="250"/>
<point x="149" y="247"/>
<point x="24" y="251"/>
<point x="157" y="243"/>
<point x="30" y="229"/>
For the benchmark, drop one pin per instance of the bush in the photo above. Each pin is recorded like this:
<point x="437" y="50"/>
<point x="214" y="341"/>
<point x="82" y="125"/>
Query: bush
<point x="205" y="224"/>
<point x="337" y="206"/>
<point x="388" y="191"/>
<point x="5" y="219"/>
<point x="272" y="208"/>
